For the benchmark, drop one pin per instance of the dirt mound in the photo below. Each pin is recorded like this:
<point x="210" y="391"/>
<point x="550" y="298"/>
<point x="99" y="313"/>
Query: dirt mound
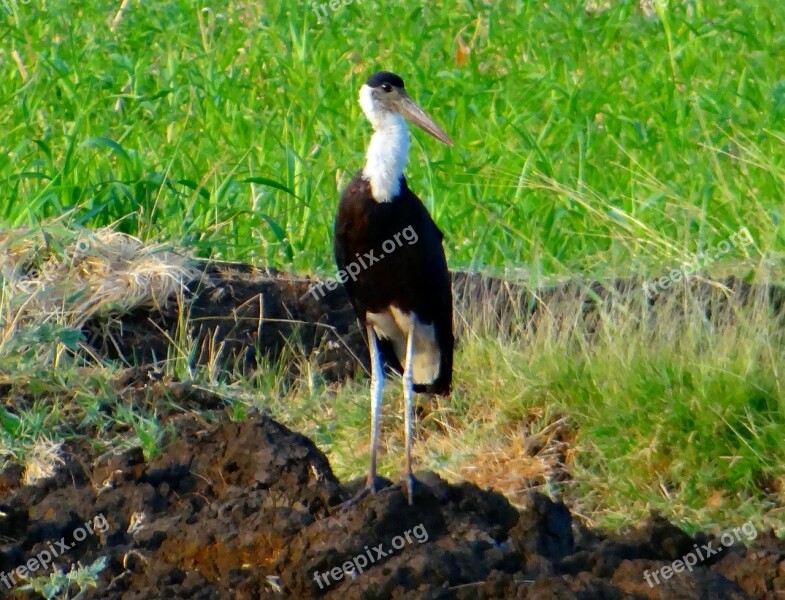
<point x="247" y="510"/>
<point x="237" y="314"/>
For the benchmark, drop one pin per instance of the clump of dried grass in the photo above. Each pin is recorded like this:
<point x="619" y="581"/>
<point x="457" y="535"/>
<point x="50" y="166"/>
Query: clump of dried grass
<point x="42" y="460"/>
<point x="76" y="276"/>
<point x="54" y="281"/>
<point x="518" y="461"/>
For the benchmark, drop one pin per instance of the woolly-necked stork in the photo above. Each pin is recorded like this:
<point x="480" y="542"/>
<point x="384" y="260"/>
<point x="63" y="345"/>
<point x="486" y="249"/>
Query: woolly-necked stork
<point x="400" y="289"/>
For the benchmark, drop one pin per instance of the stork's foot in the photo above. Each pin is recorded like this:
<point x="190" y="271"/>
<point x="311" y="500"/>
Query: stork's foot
<point x="408" y="485"/>
<point x="344" y="506"/>
<point x="378" y="485"/>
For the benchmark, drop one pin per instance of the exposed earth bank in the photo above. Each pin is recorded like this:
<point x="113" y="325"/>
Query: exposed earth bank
<point x="248" y="510"/>
<point x="235" y="313"/>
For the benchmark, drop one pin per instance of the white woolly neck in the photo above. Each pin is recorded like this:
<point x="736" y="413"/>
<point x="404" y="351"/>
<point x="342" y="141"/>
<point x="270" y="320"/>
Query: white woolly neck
<point x="388" y="150"/>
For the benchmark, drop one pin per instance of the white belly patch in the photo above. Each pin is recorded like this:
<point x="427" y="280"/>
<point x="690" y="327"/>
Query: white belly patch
<point x="395" y="325"/>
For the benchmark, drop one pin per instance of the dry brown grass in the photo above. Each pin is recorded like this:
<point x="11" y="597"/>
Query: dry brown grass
<point x="67" y="277"/>
<point x="91" y="272"/>
<point x="42" y="460"/>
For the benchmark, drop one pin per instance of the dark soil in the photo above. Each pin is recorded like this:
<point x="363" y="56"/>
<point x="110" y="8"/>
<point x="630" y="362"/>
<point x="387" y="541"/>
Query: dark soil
<point x="248" y="510"/>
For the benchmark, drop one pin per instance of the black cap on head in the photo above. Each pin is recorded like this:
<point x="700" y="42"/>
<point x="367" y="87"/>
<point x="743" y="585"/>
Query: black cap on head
<point x="383" y="77"/>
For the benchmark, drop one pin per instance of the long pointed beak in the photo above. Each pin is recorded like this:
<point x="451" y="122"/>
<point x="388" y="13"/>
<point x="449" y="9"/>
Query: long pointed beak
<point x="409" y="110"/>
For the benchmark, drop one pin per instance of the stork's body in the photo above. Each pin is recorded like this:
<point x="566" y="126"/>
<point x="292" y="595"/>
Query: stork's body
<point x="401" y="291"/>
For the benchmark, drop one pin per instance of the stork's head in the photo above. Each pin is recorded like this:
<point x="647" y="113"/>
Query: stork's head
<point x="383" y="97"/>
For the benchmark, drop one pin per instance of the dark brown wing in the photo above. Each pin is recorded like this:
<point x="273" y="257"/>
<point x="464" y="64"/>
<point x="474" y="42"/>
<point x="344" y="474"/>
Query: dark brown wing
<point x="395" y="255"/>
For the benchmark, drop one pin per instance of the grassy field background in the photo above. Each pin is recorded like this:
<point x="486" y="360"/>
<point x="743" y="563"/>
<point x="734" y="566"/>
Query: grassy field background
<point x="591" y="141"/>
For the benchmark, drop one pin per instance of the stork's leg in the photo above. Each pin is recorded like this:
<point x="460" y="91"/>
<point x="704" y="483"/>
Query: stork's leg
<point x="377" y="389"/>
<point x="408" y="398"/>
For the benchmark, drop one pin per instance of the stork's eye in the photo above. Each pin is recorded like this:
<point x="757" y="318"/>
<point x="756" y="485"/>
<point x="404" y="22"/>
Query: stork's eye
<point x="387" y="87"/>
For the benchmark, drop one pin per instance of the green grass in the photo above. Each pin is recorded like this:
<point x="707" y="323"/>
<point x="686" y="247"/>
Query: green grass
<point x="585" y="142"/>
<point x="681" y="415"/>
<point x="597" y="144"/>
